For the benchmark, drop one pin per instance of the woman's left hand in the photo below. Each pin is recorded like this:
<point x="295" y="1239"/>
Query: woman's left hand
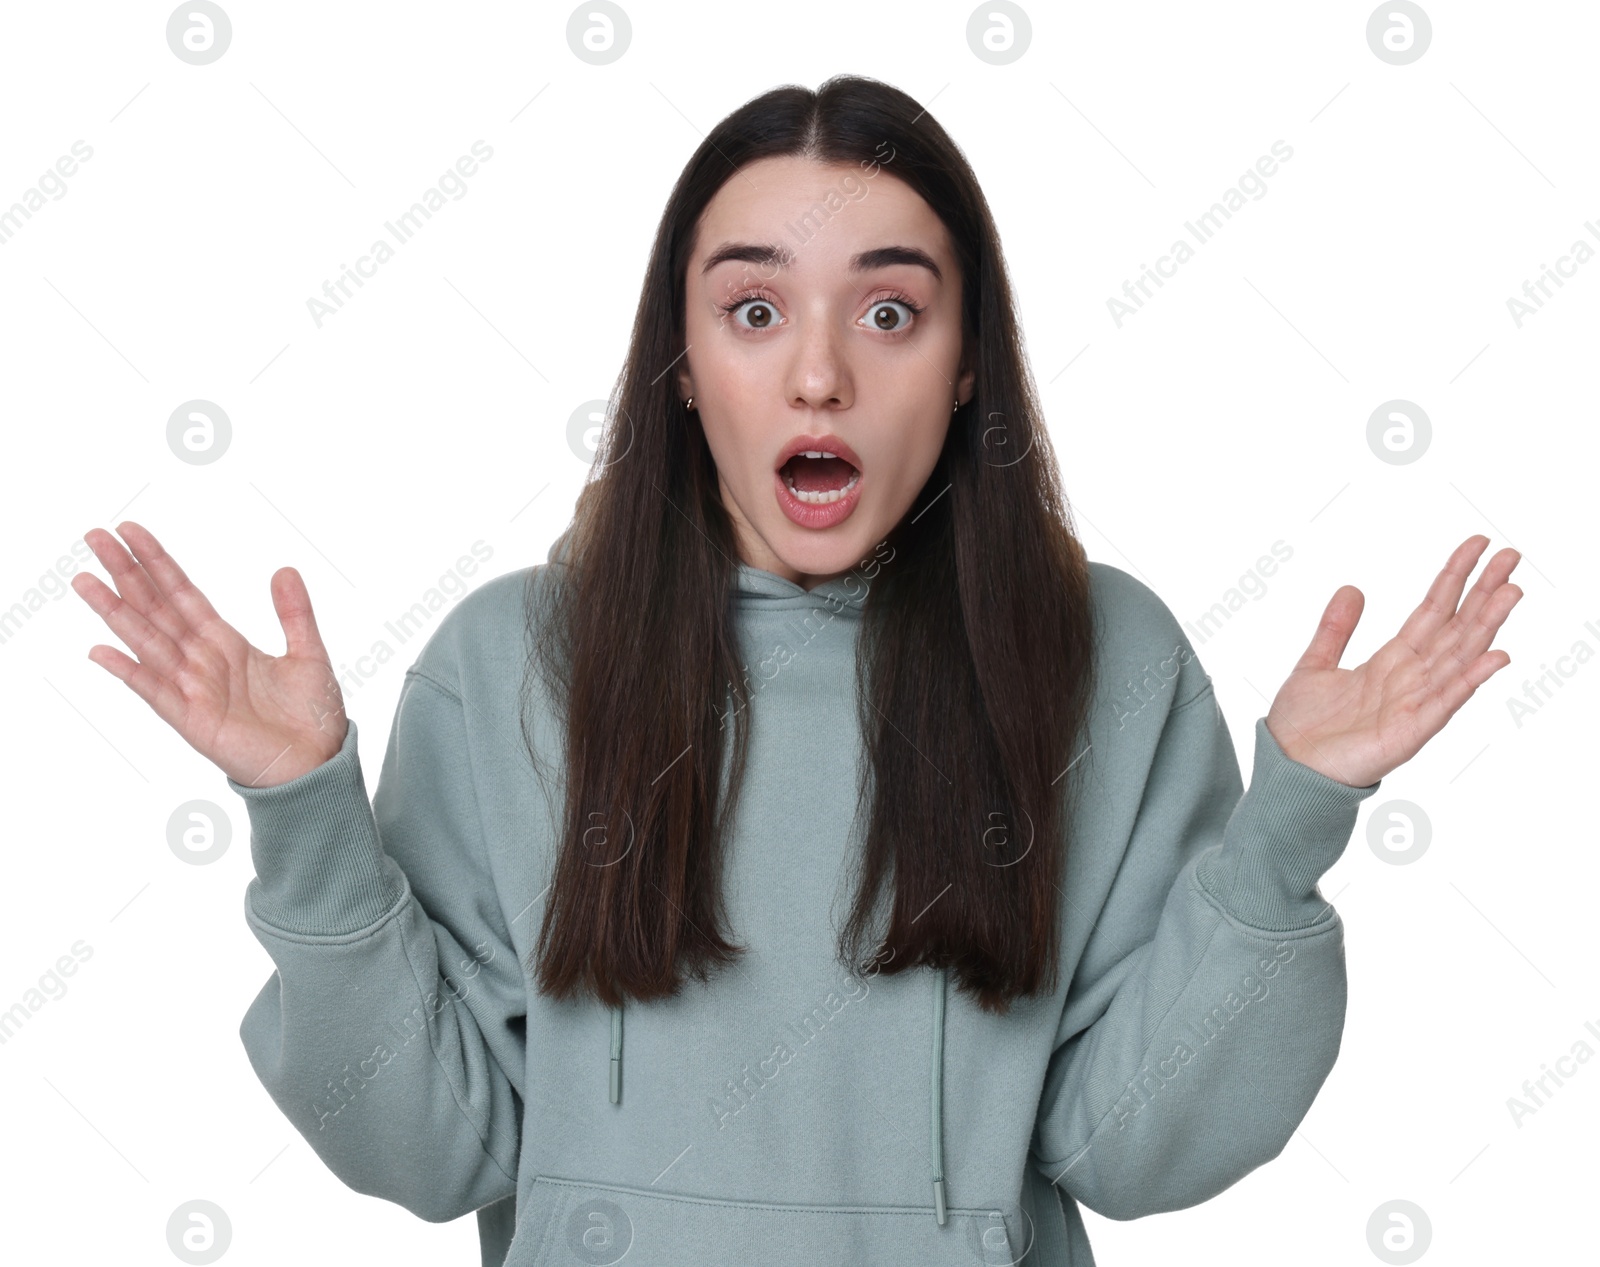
<point x="1356" y="725"/>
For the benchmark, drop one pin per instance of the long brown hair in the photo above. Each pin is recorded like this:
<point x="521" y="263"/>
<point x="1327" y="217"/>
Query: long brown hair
<point x="974" y="655"/>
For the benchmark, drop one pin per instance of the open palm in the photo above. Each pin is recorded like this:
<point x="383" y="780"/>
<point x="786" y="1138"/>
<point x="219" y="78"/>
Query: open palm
<point x="262" y="719"/>
<point x="1356" y="725"/>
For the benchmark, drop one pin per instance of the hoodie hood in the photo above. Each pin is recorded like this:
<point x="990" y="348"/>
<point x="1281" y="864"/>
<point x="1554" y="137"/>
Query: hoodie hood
<point x="753" y="586"/>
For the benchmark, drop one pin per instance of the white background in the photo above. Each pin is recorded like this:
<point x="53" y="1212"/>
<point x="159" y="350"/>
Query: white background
<point x="430" y="413"/>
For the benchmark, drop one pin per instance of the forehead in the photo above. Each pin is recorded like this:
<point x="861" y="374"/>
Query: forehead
<point x="820" y="212"/>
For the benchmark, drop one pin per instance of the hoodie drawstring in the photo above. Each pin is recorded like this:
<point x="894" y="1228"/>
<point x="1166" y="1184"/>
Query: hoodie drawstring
<point x="937" y="1073"/>
<point x="616" y="1053"/>
<point x="938" y="1095"/>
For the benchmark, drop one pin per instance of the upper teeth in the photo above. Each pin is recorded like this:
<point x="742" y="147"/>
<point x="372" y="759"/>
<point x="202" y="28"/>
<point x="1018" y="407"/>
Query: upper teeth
<point x="818" y="454"/>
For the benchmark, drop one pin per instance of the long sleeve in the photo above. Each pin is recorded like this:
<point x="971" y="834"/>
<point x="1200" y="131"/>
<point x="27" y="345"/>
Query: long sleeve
<point x="392" y="1032"/>
<point x="1192" y="1043"/>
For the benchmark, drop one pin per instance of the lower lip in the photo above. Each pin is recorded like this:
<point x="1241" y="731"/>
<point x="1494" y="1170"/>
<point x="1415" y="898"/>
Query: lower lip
<point x="809" y="516"/>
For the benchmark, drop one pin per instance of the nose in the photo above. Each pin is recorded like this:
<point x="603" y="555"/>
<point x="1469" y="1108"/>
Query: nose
<point x="819" y="372"/>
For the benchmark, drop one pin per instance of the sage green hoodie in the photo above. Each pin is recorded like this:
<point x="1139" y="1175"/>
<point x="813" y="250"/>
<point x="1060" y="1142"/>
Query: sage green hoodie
<point x="791" y="1109"/>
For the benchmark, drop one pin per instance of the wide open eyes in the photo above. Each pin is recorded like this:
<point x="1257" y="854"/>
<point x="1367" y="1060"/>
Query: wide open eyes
<point x="881" y="314"/>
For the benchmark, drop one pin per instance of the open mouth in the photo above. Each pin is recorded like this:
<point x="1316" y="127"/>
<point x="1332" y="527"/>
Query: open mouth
<point x="819" y="477"/>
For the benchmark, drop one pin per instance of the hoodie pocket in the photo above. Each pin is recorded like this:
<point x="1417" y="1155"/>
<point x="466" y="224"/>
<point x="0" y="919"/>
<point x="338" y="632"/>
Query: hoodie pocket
<point x="573" y="1222"/>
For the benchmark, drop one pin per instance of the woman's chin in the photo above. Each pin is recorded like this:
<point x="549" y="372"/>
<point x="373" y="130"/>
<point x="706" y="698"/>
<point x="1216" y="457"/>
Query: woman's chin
<point x="801" y="557"/>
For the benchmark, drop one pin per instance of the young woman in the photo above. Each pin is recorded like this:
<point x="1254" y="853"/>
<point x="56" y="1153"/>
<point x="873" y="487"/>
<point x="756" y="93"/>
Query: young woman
<point x="818" y="851"/>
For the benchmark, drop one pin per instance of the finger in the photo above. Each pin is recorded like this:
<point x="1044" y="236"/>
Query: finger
<point x="134" y="583"/>
<point x="179" y="606"/>
<point x="162" y="696"/>
<point x="151" y="644"/>
<point x="1495" y="574"/>
<point x="1439" y="604"/>
<point x="1339" y="619"/>
<point x="293" y="605"/>
<point x="1477" y="632"/>
<point x="1485" y="667"/>
<point x="1459" y="688"/>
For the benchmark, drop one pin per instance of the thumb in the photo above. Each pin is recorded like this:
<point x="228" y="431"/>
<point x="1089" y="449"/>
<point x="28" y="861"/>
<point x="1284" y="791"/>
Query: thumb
<point x="293" y="605"/>
<point x="1339" y="619"/>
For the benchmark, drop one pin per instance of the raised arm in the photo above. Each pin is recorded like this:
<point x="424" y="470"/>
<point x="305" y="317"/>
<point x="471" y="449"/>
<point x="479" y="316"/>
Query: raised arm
<point x="391" y="1033"/>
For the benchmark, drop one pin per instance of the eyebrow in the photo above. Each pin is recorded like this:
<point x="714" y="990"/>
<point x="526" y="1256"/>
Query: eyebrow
<point x="771" y="255"/>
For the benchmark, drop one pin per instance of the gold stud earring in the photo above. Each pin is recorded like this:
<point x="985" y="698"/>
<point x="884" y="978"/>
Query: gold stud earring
<point x="689" y="404"/>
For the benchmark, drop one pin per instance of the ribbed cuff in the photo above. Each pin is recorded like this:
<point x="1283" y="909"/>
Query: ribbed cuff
<point x="320" y="867"/>
<point x="1289" y="827"/>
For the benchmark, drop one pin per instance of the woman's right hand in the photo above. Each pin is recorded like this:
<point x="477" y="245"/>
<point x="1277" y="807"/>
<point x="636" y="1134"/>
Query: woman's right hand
<point x="261" y="719"/>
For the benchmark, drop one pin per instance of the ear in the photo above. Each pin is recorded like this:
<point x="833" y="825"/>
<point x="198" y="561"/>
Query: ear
<point x="965" y="380"/>
<point x="685" y="380"/>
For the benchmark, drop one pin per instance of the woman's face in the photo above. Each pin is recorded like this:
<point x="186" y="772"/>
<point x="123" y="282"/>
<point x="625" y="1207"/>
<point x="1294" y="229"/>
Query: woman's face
<point x="811" y="313"/>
